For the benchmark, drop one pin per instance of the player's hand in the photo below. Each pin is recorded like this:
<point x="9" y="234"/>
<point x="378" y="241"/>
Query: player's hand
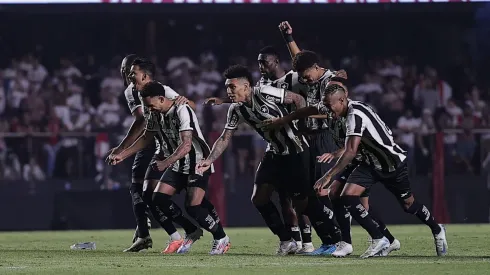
<point x="111" y="153"/>
<point x="285" y="27"/>
<point x="341" y="74"/>
<point x="271" y="124"/>
<point x="181" y="100"/>
<point x="322" y="182"/>
<point x="159" y="165"/>
<point x="213" y="101"/>
<point x="203" y="166"/>
<point x="325" y="158"/>
<point x="115" y="159"/>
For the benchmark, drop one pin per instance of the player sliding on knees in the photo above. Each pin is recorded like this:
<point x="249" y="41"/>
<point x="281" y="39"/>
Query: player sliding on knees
<point x="181" y="146"/>
<point x="285" y="165"/>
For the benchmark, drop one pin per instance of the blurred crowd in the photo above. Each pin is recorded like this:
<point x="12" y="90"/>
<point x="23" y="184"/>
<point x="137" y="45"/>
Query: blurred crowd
<point x="59" y="120"/>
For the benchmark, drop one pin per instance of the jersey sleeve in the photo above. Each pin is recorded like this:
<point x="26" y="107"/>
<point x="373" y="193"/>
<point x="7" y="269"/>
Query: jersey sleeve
<point x="355" y="123"/>
<point x="152" y="122"/>
<point x="271" y="93"/>
<point x="170" y="93"/>
<point x="132" y="98"/>
<point x="233" y="119"/>
<point x="186" y="118"/>
<point x="322" y="109"/>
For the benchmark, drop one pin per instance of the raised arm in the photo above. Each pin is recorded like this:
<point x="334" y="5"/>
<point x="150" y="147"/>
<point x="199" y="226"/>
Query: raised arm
<point x="287" y="34"/>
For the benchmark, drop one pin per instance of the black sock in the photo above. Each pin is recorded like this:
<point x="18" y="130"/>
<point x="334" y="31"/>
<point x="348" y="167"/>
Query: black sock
<point x="164" y="221"/>
<point x="139" y="209"/>
<point x="324" y="219"/>
<point x="212" y="210"/>
<point x="273" y="220"/>
<point x="361" y="215"/>
<point x="424" y="215"/>
<point x="294" y="231"/>
<point x="170" y="209"/>
<point x="206" y="221"/>
<point x="305" y="229"/>
<point x="343" y="219"/>
<point x="381" y="226"/>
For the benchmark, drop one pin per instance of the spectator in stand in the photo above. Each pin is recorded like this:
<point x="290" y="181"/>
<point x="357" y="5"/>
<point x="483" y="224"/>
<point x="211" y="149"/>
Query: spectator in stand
<point x="425" y="131"/>
<point x="367" y="89"/>
<point x="425" y="94"/>
<point x="408" y="125"/>
<point x="444" y="91"/>
<point x="465" y="148"/>
<point x="112" y="84"/>
<point x="37" y="74"/>
<point x="473" y="99"/>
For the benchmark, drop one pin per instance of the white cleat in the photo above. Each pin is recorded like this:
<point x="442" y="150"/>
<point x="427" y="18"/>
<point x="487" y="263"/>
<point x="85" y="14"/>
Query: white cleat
<point x="287" y="247"/>
<point x="394" y="246"/>
<point x="343" y="249"/>
<point x="376" y="247"/>
<point x="189" y="240"/>
<point x="307" y="248"/>
<point x="140" y="245"/>
<point x="441" y="242"/>
<point x="220" y="246"/>
<point x="299" y="247"/>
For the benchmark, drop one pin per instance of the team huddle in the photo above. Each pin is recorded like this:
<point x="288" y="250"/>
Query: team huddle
<point x="307" y="119"/>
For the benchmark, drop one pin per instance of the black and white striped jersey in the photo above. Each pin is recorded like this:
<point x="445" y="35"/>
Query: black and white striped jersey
<point x="377" y="144"/>
<point x="268" y="102"/>
<point x="134" y="100"/>
<point x="314" y="96"/>
<point x="290" y="81"/>
<point x="168" y="127"/>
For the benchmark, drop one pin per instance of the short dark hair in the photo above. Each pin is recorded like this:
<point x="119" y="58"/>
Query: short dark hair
<point x="238" y="71"/>
<point x="305" y="60"/>
<point x="126" y="65"/>
<point x="152" y="89"/>
<point x="145" y="65"/>
<point x="269" y="50"/>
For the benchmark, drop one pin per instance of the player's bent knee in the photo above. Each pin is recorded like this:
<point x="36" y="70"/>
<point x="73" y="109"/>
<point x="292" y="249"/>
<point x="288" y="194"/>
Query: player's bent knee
<point x="193" y="210"/>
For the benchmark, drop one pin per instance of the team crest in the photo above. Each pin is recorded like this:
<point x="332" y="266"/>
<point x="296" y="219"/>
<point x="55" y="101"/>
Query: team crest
<point x="284" y="85"/>
<point x="264" y="109"/>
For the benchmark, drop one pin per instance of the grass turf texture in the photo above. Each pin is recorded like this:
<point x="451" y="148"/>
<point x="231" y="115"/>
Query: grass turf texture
<point x="252" y="252"/>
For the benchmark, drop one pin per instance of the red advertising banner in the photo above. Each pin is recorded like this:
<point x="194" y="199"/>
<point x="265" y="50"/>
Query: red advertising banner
<point x="230" y="1"/>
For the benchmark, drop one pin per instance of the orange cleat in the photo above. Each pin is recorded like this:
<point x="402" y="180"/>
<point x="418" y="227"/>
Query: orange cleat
<point x="172" y="246"/>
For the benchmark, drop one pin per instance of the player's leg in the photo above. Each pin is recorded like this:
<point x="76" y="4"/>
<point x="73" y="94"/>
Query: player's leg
<point x="196" y="190"/>
<point x="306" y="202"/>
<point x="305" y="228"/>
<point x="170" y="183"/>
<point x="289" y="217"/>
<point x="399" y="186"/>
<point x="206" y="203"/>
<point x="343" y="217"/>
<point x="361" y="178"/>
<point x="394" y="243"/>
<point x="140" y="164"/>
<point x="152" y="178"/>
<point x="266" y="176"/>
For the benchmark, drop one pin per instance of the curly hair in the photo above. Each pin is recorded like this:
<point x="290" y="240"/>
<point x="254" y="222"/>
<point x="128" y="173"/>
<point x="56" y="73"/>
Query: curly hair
<point x="305" y="60"/>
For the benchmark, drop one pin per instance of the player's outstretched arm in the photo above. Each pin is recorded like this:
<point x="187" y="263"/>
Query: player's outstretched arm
<point x="141" y="143"/>
<point x="137" y="128"/>
<point x="294" y="98"/>
<point x="216" y="101"/>
<point x="287" y="34"/>
<point x="218" y="148"/>
<point x="350" y="151"/>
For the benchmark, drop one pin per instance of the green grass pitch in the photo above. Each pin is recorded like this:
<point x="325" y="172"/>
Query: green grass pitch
<point x="252" y="252"/>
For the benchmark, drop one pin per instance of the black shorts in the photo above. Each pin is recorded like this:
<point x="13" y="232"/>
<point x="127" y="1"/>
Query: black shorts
<point x="141" y="161"/>
<point x="396" y="182"/>
<point x="343" y="176"/>
<point x="289" y="174"/>
<point x="181" y="181"/>
<point x="321" y="143"/>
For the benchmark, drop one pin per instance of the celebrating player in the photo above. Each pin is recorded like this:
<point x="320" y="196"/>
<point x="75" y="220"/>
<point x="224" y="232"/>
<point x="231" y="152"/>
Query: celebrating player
<point x="181" y="146"/>
<point x="285" y="165"/>
<point x="383" y="161"/>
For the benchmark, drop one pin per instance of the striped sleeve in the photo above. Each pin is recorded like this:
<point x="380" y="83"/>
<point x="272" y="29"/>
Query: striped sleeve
<point x="355" y="123"/>
<point x="273" y="94"/>
<point x="152" y="122"/>
<point x="234" y="118"/>
<point x="131" y="96"/>
<point x="185" y="116"/>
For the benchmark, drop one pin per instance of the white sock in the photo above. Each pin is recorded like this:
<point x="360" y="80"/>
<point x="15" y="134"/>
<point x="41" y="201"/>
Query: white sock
<point x="176" y="236"/>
